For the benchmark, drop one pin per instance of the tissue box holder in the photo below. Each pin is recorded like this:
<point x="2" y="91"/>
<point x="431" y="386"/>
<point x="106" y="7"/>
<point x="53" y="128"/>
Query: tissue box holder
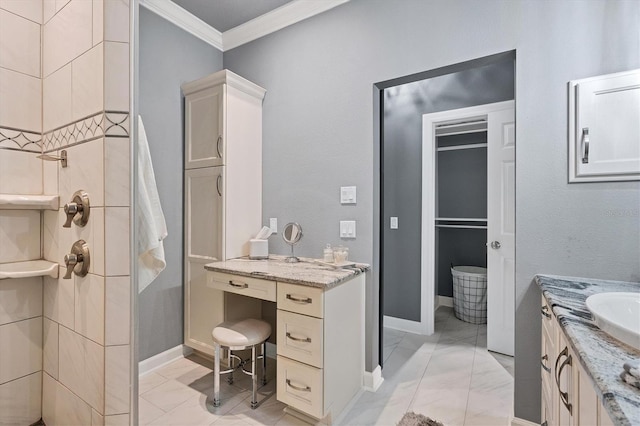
<point x="258" y="249"/>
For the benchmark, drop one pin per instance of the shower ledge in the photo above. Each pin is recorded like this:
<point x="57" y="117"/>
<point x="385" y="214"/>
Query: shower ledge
<point x="29" y="202"/>
<point x="29" y="268"/>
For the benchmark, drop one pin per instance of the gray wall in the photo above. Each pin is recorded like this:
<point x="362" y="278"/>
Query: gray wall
<point x="168" y="57"/>
<point x="318" y="131"/>
<point x="403" y="108"/>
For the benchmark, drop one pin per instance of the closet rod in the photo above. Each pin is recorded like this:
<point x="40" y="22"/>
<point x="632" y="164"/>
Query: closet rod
<point x="463" y="226"/>
<point x="457" y="147"/>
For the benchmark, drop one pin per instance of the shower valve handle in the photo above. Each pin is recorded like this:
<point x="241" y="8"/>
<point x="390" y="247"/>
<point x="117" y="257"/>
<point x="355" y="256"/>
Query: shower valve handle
<point x="78" y="260"/>
<point x="77" y="210"/>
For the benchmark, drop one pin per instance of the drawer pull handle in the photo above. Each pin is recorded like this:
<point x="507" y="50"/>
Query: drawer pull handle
<point x="298" y="388"/>
<point x="297" y="339"/>
<point x="545" y="311"/>
<point x="242" y="285"/>
<point x="544" y="367"/>
<point x="564" y="396"/>
<point x="299" y="300"/>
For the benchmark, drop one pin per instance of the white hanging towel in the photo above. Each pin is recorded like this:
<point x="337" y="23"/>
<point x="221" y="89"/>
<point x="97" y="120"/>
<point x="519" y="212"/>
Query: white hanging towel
<point x="152" y="228"/>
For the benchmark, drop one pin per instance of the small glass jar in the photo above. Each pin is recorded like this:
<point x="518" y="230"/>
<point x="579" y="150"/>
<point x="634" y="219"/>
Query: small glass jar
<point x="340" y="254"/>
<point x="328" y="254"/>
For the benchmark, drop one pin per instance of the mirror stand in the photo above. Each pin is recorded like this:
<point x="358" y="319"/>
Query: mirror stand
<point x="291" y="234"/>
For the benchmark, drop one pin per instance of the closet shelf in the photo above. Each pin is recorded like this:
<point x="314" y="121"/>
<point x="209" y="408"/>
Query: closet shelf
<point x="459" y="147"/>
<point x="29" y="202"/>
<point x="463" y="226"/>
<point x="29" y="268"/>
<point x="462" y="219"/>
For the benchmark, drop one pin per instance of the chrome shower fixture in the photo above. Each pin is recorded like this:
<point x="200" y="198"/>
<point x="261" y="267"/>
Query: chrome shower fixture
<point x="49" y="157"/>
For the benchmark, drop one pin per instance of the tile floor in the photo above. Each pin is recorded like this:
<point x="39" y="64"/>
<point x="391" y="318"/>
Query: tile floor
<point x="449" y="376"/>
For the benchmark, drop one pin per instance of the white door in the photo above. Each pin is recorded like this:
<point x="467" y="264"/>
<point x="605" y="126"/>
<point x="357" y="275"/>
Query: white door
<point x="204" y="128"/>
<point x="501" y="192"/>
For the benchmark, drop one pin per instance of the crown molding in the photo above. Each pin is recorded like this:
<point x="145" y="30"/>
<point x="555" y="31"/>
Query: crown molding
<point x="288" y="14"/>
<point x="185" y="20"/>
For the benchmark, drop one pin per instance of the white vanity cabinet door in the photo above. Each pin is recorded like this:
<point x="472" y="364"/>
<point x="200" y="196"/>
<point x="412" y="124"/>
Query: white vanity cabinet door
<point x="204" y="128"/>
<point x="605" y="128"/>
<point x="204" y="233"/>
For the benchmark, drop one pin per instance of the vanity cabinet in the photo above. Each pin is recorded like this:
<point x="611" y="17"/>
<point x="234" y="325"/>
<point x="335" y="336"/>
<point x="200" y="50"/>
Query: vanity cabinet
<point x="222" y="188"/>
<point x="568" y="395"/>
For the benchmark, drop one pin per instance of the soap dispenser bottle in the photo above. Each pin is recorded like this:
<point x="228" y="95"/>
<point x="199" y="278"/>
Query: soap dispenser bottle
<point x="328" y="254"/>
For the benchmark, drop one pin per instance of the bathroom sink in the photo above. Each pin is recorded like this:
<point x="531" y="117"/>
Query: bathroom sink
<point x="617" y="314"/>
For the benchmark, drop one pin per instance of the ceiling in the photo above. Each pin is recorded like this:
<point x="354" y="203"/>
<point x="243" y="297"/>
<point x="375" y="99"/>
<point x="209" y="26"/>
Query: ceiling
<point x="226" y="14"/>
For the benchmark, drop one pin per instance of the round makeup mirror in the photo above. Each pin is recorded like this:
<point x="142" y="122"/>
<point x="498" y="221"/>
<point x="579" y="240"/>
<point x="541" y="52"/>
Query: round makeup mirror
<point x="291" y="235"/>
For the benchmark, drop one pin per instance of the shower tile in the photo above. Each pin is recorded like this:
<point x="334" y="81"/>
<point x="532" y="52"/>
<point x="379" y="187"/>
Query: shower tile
<point x="20" y="44"/>
<point x="50" y="347"/>
<point x="48" y="10"/>
<point x="51" y="234"/>
<point x="20" y="400"/>
<point x="85" y="171"/>
<point x="117" y="420"/>
<point x="116" y="74"/>
<point x="116" y="20"/>
<point x="117" y="310"/>
<point x="116" y="172"/>
<point x="116" y="241"/>
<point x="69" y="408"/>
<point x="19" y="235"/>
<point x="98" y="21"/>
<point x="87" y="89"/>
<point x="28" y="9"/>
<point x="97" y="419"/>
<point x="60" y="4"/>
<point x="21" y="299"/>
<point x="49" y="399"/>
<point x="117" y="375"/>
<point x="67" y="35"/>
<point x="58" y="299"/>
<point x="24" y="338"/>
<point x="89" y="307"/>
<point x="25" y="171"/>
<point x="20" y="103"/>
<point x="82" y="368"/>
<point x="50" y="176"/>
<point x="56" y="99"/>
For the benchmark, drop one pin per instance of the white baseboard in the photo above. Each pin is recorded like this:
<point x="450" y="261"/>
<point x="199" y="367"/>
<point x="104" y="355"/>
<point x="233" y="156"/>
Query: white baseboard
<point x="522" y="422"/>
<point x="373" y="380"/>
<point x="163" y="358"/>
<point x="445" y="301"/>
<point x="402" y="324"/>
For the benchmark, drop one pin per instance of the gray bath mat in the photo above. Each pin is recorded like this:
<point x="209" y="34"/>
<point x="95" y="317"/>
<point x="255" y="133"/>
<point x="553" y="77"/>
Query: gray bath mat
<point x="413" y="419"/>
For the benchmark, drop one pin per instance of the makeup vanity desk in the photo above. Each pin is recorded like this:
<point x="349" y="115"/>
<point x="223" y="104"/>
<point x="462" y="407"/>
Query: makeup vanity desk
<point x="319" y="326"/>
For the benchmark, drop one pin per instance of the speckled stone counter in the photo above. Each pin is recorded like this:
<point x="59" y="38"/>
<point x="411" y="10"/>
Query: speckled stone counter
<point x="307" y="272"/>
<point x="601" y="355"/>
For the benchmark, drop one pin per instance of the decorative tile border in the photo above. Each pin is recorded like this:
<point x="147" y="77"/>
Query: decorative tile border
<point x="105" y="123"/>
<point x="114" y="124"/>
<point x="20" y="140"/>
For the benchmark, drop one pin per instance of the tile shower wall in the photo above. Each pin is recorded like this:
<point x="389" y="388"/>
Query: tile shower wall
<point x="85" y="111"/>
<point x="21" y="173"/>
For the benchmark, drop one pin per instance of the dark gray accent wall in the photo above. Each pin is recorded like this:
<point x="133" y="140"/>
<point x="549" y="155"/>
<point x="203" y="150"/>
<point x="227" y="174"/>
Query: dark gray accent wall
<point x="319" y="132"/>
<point x="404" y="106"/>
<point x="168" y="57"/>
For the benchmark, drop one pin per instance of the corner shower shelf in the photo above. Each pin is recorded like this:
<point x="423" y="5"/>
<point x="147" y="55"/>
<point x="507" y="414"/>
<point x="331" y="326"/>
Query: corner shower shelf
<point x="29" y="268"/>
<point x="29" y="202"/>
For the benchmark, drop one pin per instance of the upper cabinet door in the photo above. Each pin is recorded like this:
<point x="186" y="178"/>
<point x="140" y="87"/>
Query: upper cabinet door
<point x="604" y="137"/>
<point x="204" y="128"/>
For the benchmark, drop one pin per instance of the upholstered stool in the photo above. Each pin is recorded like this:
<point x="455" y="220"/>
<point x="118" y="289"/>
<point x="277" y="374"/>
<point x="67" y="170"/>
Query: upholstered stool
<point x="238" y="335"/>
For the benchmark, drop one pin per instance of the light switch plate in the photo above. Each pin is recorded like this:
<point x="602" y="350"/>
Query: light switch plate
<point x="348" y="194"/>
<point x="273" y="224"/>
<point x="393" y="222"/>
<point x="347" y="229"/>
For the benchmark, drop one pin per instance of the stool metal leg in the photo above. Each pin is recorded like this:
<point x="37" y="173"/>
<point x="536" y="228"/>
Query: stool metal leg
<point x="254" y="379"/>
<point x="230" y="378"/>
<point x="216" y="376"/>
<point x="264" y="363"/>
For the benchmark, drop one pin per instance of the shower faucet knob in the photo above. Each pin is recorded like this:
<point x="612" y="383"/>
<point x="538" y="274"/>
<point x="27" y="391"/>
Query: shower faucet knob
<point x="77" y="210"/>
<point x="78" y="260"/>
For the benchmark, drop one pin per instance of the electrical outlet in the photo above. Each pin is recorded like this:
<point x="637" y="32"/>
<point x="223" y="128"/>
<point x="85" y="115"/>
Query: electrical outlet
<point x="273" y="224"/>
<point x="394" y="222"/>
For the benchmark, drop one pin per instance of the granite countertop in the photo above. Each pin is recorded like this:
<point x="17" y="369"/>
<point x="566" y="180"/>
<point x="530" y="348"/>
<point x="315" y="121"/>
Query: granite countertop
<point x="307" y="272"/>
<point x="601" y="355"/>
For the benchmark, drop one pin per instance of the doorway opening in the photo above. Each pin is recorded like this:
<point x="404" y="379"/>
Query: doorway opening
<point x="398" y="188"/>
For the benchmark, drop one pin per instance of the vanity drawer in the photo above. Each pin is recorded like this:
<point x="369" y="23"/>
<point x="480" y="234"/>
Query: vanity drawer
<point x="301" y="299"/>
<point x="300" y="386"/>
<point x="300" y="337"/>
<point x="246" y="286"/>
